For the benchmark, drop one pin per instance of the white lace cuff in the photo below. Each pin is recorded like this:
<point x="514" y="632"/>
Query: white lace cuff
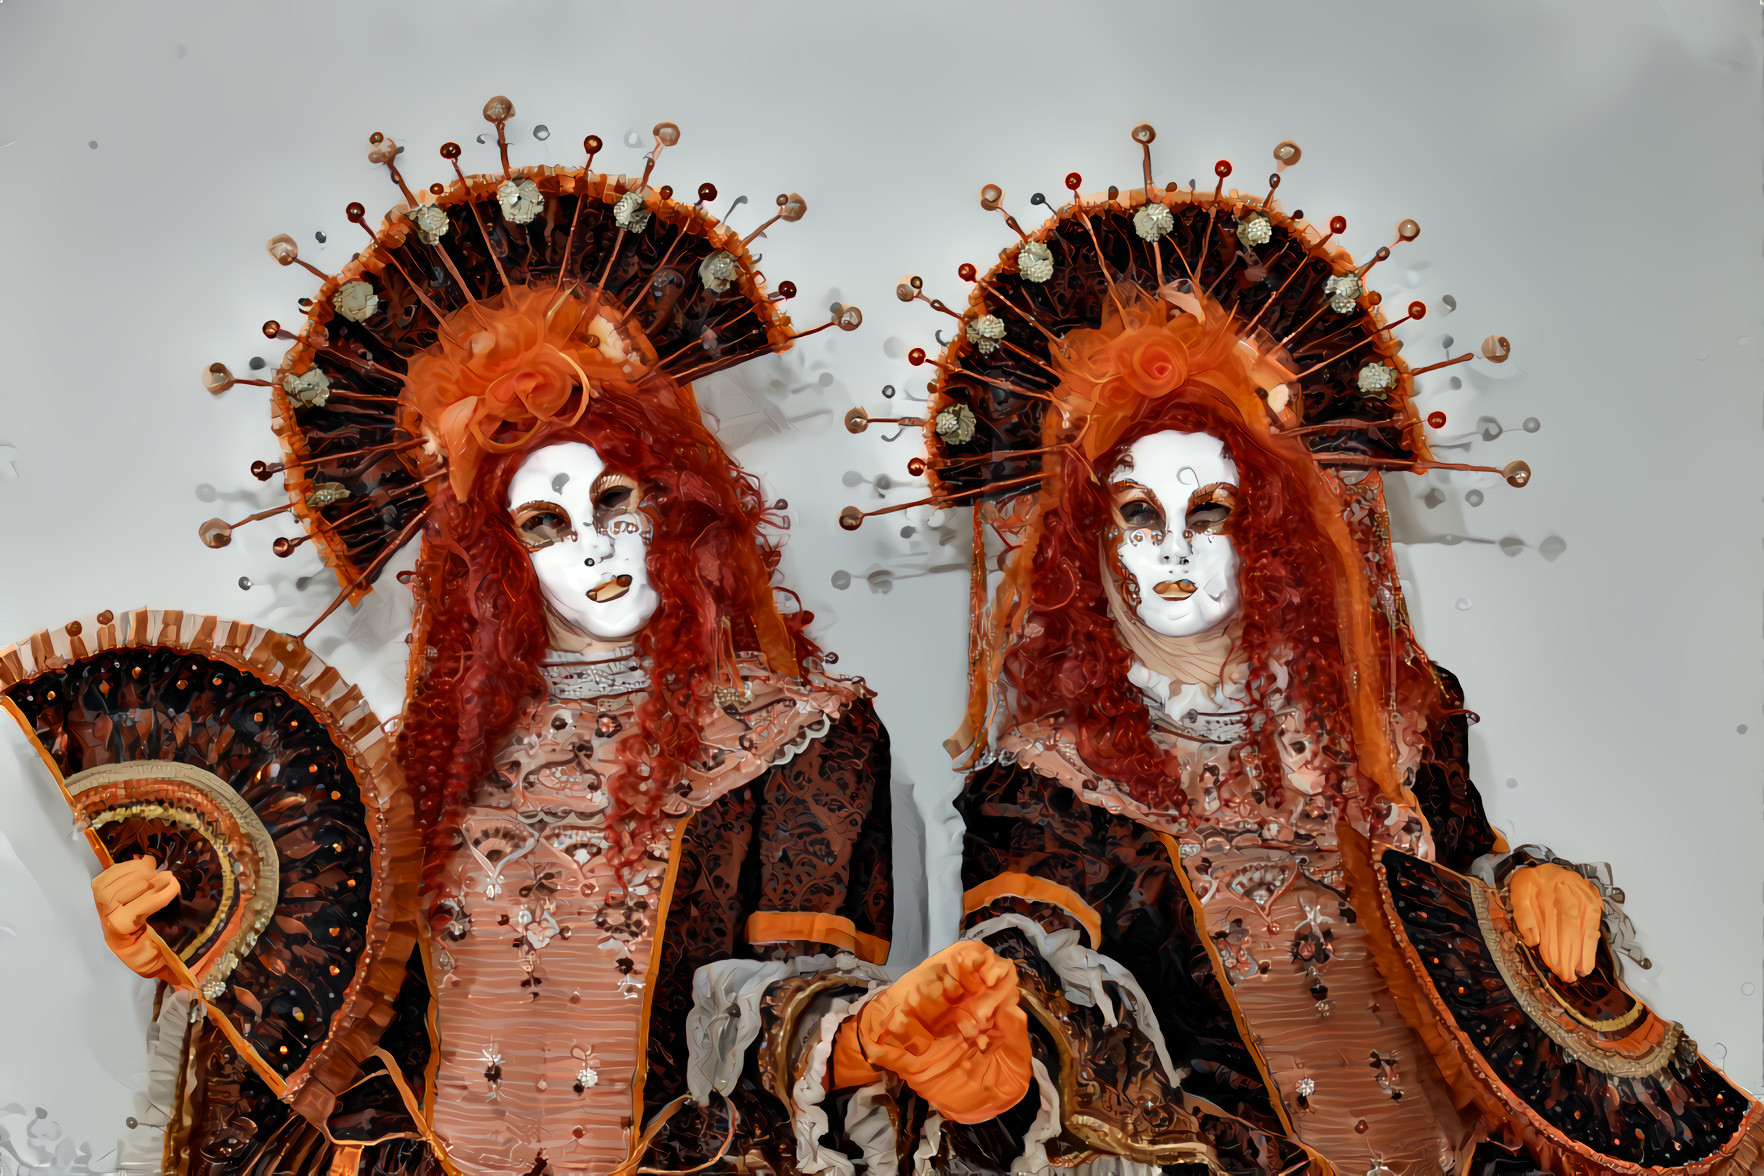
<point x="866" y="1120"/>
<point x="725" y="1018"/>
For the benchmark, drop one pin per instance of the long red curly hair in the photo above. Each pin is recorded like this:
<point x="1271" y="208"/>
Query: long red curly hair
<point x="481" y="619"/>
<point x="1069" y="660"/>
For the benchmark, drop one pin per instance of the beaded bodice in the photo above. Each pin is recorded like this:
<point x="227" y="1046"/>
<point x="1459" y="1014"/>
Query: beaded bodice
<point x="544" y="949"/>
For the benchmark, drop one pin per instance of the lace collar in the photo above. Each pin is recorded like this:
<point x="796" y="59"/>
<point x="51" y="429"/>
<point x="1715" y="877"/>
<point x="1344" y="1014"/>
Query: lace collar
<point x="1190" y="710"/>
<point x="575" y="676"/>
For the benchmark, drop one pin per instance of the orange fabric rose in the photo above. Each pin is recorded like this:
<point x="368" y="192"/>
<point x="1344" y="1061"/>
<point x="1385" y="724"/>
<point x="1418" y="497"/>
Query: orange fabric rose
<point x="1154" y="359"/>
<point x="1143" y="351"/>
<point x="512" y="362"/>
<point x="517" y="363"/>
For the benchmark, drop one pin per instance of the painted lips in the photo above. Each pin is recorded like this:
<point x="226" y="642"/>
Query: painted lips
<point x="1175" y="589"/>
<point x="619" y="585"/>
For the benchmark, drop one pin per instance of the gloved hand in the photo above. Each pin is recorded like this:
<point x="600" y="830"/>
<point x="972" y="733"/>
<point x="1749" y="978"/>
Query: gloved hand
<point x="125" y="895"/>
<point x="951" y="1029"/>
<point x="1558" y="913"/>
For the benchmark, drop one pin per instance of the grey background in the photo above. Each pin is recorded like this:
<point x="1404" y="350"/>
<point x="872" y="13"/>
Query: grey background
<point x="1586" y="175"/>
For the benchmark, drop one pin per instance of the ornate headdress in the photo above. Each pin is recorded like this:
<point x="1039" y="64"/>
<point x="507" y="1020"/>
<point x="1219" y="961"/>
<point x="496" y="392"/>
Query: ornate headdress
<point x="1143" y="293"/>
<point x="481" y="311"/>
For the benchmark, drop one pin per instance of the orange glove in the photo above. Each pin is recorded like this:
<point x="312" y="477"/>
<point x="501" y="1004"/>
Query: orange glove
<point x="951" y="1029"/>
<point x="1557" y="912"/>
<point x="126" y="894"/>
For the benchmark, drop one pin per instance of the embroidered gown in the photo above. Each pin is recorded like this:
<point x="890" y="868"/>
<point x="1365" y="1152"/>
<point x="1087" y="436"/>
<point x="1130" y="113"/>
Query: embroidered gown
<point x="551" y="1033"/>
<point x="1246" y="988"/>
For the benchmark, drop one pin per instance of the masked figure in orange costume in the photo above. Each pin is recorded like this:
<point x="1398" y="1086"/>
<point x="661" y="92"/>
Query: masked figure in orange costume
<point x="610" y="895"/>
<point x="1219" y="815"/>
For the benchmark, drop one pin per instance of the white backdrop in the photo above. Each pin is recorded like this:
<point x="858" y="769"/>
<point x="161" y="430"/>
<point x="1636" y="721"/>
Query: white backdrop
<point x="1586" y="174"/>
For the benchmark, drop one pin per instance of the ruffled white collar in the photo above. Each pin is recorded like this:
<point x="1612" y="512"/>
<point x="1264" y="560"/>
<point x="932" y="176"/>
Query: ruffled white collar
<point x="1213" y="714"/>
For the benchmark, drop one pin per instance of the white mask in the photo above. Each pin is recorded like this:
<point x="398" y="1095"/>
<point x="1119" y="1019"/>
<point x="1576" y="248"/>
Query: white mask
<point x="587" y="538"/>
<point x="1167" y="542"/>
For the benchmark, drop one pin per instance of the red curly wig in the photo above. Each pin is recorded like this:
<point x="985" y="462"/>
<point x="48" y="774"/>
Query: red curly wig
<point x="1300" y="631"/>
<point x="481" y="627"/>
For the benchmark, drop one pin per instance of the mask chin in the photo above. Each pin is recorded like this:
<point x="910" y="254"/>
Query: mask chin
<point x="619" y="619"/>
<point x="1200" y="613"/>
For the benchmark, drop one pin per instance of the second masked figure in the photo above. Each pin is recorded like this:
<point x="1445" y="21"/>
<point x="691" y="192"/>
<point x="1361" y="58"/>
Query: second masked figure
<point x="1219" y="816"/>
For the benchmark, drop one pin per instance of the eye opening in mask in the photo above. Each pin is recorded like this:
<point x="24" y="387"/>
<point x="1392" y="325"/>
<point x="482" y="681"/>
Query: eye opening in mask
<point x="1136" y="508"/>
<point x="614" y="494"/>
<point x="1210" y="508"/>
<point x="540" y="524"/>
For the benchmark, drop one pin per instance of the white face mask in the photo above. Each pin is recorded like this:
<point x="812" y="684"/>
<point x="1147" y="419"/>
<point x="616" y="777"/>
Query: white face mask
<point x="587" y="538"/>
<point x="1167" y="541"/>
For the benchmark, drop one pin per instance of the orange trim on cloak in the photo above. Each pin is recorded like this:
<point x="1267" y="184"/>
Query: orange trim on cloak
<point x="1011" y="884"/>
<point x="832" y="930"/>
<point x="664" y="901"/>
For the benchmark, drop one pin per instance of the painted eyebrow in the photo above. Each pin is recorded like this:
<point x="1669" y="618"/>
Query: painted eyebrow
<point x="1211" y="493"/>
<point x="611" y="478"/>
<point x="1129" y="486"/>
<point x="1212" y="488"/>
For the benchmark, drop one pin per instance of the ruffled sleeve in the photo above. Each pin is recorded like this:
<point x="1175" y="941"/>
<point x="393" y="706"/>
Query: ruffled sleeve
<point x="778" y="928"/>
<point x="1137" y="1051"/>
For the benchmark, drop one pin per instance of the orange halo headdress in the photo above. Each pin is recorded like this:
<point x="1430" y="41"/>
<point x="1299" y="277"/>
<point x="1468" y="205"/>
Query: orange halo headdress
<point x="483" y="310"/>
<point x="1144" y="293"/>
